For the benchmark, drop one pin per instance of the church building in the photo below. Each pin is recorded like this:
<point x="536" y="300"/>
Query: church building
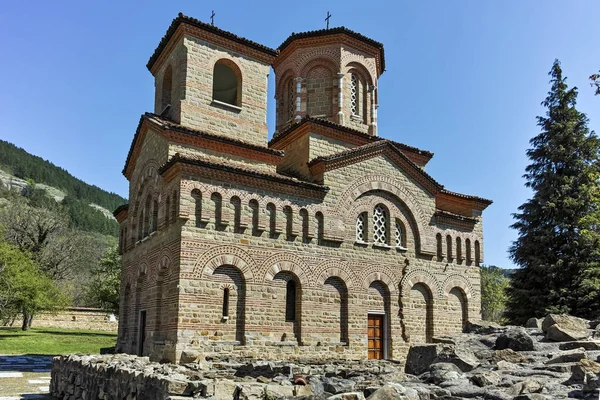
<point x="326" y="241"/>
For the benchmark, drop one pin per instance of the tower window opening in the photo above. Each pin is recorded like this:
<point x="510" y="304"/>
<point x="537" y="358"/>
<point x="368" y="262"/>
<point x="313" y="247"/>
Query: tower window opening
<point x="226" y="303"/>
<point x="355" y="95"/>
<point x="226" y="84"/>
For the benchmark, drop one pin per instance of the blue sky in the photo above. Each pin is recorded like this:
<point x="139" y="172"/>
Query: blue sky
<point x="464" y="79"/>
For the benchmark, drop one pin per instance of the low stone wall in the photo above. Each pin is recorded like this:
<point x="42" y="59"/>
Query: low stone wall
<point x="78" y="318"/>
<point x="123" y="376"/>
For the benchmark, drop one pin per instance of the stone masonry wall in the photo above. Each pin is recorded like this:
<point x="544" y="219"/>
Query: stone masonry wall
<point x="200" y="112"/>
<point x="419" y="295"/>
<point x="74" y="318"/>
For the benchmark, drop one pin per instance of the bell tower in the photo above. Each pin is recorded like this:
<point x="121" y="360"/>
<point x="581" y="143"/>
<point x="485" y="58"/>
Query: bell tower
<point x="212" y="80"/>
<point x="330" y="74"/>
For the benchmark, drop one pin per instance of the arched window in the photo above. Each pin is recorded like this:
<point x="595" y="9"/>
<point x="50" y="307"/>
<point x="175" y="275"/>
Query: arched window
<point x="174" y="209"/>
<point x="458" y="249"/>
<point x="380" y="222"/>
<point x="320" y="225"/>
<point x="168" y="211"/>
<point x="225" y="302"/>
<point x="147" y="216"/>
<point x="449" y="247"/>
<point x="290" y="300"/>
<point x="167" y="85"/>
<point x="361" y="223"/>
<point x="400" y="234"/>
<point x="236" y="203"/>
<point x="355" y="89"/>
<point x="289" y="222"/>
<point x="468" y="249"/>
<point x="154" y="215"/>
<point x="477" y="252"/>
<point x="217" y="204"/>
<point x="272" y="219"/>
<point x="197" y="196"/>
<point x="291" y="100"/>
<point x="140" y="224"/>
<point x="227" y="83"/>
<point x="438" y="239"/>
<point x="253" y="204"/>
<point x="305" y="225"/>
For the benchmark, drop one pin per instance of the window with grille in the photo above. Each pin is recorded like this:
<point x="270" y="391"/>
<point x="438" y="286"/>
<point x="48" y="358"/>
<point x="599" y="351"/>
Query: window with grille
<point x="360" y="228"/>
<point x="379" y="225"/>
<point x="354" y="95"/>
<point x="400" y="235"/>
<point x="291" y="100"/>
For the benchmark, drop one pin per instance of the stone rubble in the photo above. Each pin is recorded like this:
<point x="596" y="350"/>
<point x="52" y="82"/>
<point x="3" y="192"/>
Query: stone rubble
<point x="489" y="363"/>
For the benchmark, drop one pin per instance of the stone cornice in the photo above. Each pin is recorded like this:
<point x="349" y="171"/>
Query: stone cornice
<point x="227" y="173"/>
<point x="183" y="24"/>
<point x="455" y="220"/>
<point x="121" y="213"/>
<point x="382" y="148"/>
<point x="342" y="133"/>
<point x="180" y="134"/>
<point x="339" y="35"/>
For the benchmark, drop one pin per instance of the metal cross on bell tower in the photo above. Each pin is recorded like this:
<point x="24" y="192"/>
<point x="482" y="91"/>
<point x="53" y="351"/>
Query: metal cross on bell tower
<point x="327" y="19"/>
<point x="212" y="18"/>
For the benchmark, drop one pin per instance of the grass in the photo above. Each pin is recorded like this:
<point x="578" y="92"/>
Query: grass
<point x="54" y="341"/>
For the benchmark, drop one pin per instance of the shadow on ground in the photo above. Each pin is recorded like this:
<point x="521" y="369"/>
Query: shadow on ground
<point x="26" y="363"/>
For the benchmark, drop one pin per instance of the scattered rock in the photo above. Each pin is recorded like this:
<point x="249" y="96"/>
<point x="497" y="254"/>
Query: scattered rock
<point x="584" y="344"/>
<point x="508" y="355"/>
<point x="420" y="357"/>
<point x="516" y="339"/>
<point x="525" y="387"/>
<point x="190" y="356"/>
<point x="534" y="323"/>
<point x="557" y="333"/>
<point x="443" y="372"/>
<point x="337" y="385"/>
<point x="348" y="396"/>
<point x="275" y="391"/>
<point x="489" y="378"/>
<point x="568" y="356"/>
<point x="582" y="368"/>
<point x="394" y="391"/>
<point x="565" y="321"/>
<point x="482" y="327"/>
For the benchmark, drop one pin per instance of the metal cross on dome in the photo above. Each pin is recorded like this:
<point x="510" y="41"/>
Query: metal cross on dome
<point x="327" y="19"/>
<point x="212" y="18"/>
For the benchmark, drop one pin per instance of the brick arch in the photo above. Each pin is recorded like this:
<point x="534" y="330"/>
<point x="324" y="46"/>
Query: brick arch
<point x="286" y="262"/>
<point x="335" y="268"/>
<point x="420" y="276"/>
<point x="147" y="173"/>
<point x="397" y="189"/>
<point x="283" y="78"/>
<point x="224" y="255"/>
<point x="308" y="60"/>
<point x="367" y="63"/>
<point x="378" y="273"/>
<point x="186" y="190"/>
<point x="361" y="70"/>
<point x="460" y="282"/>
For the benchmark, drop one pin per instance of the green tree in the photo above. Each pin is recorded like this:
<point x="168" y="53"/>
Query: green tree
<point x="595" y="78"/>
<point x="24" y="289"/>
<point x="553" y="249"/>
<point x="106" y="281"/>
<point x="493" y="294"/>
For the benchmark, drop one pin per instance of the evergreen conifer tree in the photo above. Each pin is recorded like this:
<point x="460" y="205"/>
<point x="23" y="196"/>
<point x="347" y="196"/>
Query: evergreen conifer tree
<point x="558" y="242"/>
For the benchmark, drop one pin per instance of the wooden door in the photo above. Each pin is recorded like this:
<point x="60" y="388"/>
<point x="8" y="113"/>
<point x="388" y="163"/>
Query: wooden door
<point x="375" y="336"/>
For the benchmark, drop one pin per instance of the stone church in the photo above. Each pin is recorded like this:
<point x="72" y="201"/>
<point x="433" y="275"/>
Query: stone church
<point x="326" y="241"/>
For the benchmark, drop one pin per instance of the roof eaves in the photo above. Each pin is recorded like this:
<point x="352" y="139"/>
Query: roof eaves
<point x="209" y="28"/>
<point x="280" y="179"/>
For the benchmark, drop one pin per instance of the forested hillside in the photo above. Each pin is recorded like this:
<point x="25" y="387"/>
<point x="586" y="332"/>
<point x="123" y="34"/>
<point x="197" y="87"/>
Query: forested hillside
<point x="21" y="164"/>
